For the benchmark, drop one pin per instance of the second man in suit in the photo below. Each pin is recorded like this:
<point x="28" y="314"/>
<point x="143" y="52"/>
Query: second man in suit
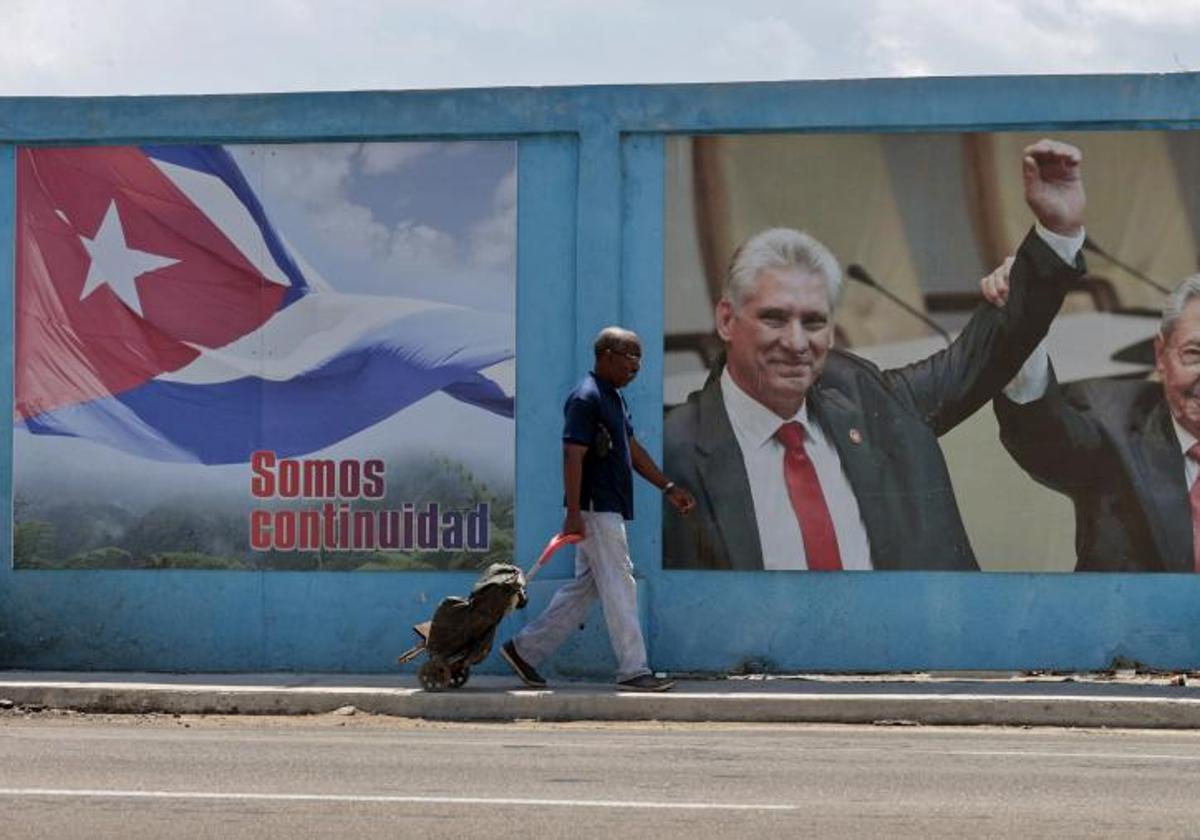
<point x="1124" y="451"/>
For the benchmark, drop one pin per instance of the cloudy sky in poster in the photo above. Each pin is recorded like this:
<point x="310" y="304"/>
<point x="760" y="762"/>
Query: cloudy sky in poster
<point x="430" y="220"/>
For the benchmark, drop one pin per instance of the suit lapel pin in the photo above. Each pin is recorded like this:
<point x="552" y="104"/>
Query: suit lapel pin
<point x="856" y="436"/>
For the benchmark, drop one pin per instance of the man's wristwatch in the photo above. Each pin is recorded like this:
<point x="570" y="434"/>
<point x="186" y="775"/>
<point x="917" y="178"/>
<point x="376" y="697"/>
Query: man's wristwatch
<point x="668" y="487"/>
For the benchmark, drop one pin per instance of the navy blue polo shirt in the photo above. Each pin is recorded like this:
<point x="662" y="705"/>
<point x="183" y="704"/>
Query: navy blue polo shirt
<point x="607" y="481"/>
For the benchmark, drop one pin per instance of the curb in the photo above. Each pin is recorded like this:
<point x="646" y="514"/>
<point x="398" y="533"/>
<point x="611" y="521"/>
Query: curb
<point x="685" y="705"/>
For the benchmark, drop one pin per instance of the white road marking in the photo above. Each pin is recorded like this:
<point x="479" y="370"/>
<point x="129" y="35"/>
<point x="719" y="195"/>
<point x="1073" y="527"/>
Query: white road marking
<point x="901" y="752"/>
<point x="400" y="800"/>
<point x="1046" y="754"/>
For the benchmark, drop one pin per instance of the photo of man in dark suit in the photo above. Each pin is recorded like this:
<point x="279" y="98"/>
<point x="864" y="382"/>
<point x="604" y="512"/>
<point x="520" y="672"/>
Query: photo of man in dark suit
<point x="802" y="456"/>
<point x="1124" y="451"/>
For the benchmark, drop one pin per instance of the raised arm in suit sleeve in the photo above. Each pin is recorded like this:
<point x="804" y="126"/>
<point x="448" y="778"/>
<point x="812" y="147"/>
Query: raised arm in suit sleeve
<point x="954" y="383"/>
<point x="950" y="386"/>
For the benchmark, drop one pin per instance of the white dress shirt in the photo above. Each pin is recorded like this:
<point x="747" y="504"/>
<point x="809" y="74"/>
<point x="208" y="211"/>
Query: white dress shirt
<point x="1186" y="441"/>
<point x="755" y="426"/>
<point x="1032" y="379"/>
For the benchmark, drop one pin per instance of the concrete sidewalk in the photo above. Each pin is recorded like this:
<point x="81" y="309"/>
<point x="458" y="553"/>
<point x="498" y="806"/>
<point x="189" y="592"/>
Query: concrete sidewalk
<point x="1086" y="700"/>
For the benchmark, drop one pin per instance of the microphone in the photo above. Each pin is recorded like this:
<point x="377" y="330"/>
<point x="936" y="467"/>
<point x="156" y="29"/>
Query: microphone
<point x="1090" y="246"/>
<point x="856" y="272"/>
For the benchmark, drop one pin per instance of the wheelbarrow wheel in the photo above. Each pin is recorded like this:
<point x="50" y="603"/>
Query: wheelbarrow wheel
<point x="434" y="675"/>
<point x="459" y="674"/>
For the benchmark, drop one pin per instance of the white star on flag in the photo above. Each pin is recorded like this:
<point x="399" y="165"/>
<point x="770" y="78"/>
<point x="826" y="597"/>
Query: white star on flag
<point x="116" y="264"/>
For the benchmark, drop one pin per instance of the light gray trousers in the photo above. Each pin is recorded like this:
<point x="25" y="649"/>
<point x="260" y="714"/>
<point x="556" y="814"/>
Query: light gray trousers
<point x="602" y="568"/>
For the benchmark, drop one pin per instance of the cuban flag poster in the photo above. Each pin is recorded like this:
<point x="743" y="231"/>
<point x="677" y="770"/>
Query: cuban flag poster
<point x="279" y="356"/>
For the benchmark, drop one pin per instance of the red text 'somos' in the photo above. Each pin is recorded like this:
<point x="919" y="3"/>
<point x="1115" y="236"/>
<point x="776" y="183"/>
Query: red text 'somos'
<point x="315" y="478"/>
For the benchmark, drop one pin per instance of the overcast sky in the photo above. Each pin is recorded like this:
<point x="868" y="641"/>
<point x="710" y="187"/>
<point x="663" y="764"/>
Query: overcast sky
<point x="99" y="47"/>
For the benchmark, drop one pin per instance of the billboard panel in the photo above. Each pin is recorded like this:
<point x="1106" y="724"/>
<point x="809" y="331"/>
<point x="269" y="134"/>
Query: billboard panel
<point x="265" y="356"/>
<point x="926" y="454"/>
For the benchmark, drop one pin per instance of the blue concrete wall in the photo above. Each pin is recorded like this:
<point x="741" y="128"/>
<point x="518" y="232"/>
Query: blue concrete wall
<point x="590" y="237"/>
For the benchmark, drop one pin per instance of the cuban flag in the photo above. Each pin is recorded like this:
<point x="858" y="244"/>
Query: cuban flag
<point x="159" y="312"/>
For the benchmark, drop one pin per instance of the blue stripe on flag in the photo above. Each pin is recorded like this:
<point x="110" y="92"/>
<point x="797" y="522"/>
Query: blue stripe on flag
<point x="224" y="422"/>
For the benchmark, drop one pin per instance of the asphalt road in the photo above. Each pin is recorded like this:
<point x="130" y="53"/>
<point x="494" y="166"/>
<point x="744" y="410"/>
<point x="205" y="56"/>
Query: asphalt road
<point x="364" y="777"/>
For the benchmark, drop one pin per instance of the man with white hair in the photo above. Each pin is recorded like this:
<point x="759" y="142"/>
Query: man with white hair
<point x="1125" y="452"/>
<point x="802" y="456"/>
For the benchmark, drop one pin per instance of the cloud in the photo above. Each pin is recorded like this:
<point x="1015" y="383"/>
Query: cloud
<point x="917" y="37"/>
<point x="494" y="240"/>
<point x="352" y="229"/>
<point x="418" y="248"/>
<point x="312" y="181"/>
<point x="770" y="43"/>
<point x="311" y="189"/>
<point x="935" y="37"/>
<point x="178" y="46"/>
<point x="378" y="158"/>
<point x="28" y="42"/>
<point x="313" y="174"/>
<point x="1144" y="12"/>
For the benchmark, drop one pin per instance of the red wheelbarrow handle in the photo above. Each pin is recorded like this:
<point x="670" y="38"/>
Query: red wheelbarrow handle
<point x="556" y="542"/>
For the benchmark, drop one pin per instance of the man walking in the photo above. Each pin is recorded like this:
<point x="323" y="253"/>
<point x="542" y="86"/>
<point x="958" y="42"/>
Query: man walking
<point x="600" y="454"/>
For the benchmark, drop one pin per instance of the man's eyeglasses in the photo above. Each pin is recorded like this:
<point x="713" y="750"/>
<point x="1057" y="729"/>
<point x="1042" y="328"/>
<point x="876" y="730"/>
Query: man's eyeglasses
<point x="636" y="357"/>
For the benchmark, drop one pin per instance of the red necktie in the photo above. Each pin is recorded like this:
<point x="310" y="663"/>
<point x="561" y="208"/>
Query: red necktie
<point x="1194" y="496"/>
<point x="804" y="491"/>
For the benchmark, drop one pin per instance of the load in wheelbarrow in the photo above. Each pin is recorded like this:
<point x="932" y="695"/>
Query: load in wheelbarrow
<point x="462" y="630"/>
